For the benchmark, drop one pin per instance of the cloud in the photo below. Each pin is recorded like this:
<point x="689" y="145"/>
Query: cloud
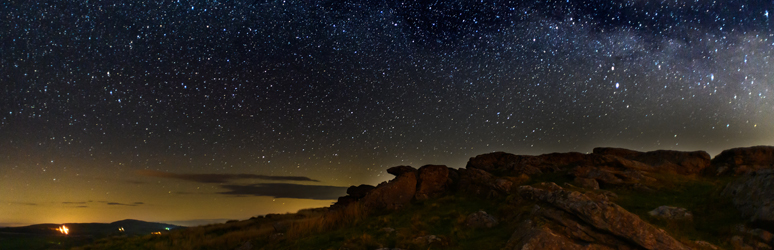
<point x="220" y="178"/>
<point x="24" y="203"/>
<point x="123" y="204"/>
<point x="73" y="202"/>
<point x="287" y="190"/>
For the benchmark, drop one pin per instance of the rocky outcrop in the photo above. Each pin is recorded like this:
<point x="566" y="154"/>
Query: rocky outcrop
<point x="753" y="195"/>
<point x="603" y="216"/>
<point x="738" y="161"/>
<point x="686" y="163"/>
<point x="480" y="182"/>
<point x="515" y="165"/>
<point x="395" y="193"/>
<point x="433" y="181"/>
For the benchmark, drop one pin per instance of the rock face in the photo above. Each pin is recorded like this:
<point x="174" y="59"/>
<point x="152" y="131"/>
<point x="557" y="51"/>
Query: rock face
<point x="671" y="213"/>
<point x="686" y="163"/>
<point x="395" y="193"/>
<point x="601" y="215"/>
<point x="480" y="219"/>
<point x="433" y="181"/>
<point x="752" y="195"/>
<point x="737" y="161"/>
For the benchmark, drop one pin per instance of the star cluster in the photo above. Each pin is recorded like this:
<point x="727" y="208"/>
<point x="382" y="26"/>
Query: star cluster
<point x="95" y="93"/>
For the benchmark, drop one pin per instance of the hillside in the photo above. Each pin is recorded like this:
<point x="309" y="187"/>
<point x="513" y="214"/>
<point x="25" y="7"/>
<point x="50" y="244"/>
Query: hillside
<point x="610" y="199"/>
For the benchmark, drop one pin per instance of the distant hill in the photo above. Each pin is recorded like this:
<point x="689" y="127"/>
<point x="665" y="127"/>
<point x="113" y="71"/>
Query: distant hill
<point x="46" y="236"/>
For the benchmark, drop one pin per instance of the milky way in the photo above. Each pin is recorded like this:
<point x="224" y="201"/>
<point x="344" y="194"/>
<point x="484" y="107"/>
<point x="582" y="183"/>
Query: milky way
<point x="96" y="95"/>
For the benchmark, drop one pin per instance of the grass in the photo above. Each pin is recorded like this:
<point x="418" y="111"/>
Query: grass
<point x="714" y="216"/>
<point x="350" y="228"/>
<point x="443" y="217"/>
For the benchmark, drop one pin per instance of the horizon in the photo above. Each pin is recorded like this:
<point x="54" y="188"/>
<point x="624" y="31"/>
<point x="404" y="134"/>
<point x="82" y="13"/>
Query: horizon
<point x="202" y="109"/>
<point x="203" y="222"/>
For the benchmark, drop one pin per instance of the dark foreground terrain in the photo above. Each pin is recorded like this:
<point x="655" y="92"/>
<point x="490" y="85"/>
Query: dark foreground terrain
<point x="610" y="199"/>
<point x="46" y="236"/>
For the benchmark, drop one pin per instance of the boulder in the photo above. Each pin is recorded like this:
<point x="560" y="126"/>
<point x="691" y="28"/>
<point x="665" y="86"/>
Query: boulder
<point x="399" y="170"/>
<point x="393" y="194"/>
<point x="602" y="215"/>
<point x="753" y="195"/>
<point x="617" y="162"/>
<point x="355" y="193"/>
<point x="515" y="165"/>
<point x="705" y="245"/>
<point x="343" y="202"/>
<point x="672" y="213"/>
<point x="531" y="235"/>
<point x="480" y="182"/>
<point x="586" y="183"/>
<point x="480" y="219"/>
<point x="429" y="239"/>
<point x="603" y="175"/>
<point x="433" y="181"/>
<point x="358" y="192"/>
<point x="738" y="161"/>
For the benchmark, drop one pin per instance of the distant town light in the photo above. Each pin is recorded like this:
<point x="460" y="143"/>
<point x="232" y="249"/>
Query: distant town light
<point x="64" y="230"/>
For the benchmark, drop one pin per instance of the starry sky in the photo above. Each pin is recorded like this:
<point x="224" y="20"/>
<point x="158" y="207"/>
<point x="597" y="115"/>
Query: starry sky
<point x="193" y="111"/>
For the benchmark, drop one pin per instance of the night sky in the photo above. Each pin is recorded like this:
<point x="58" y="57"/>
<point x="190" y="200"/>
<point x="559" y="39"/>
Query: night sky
<point x="196" y="110"/>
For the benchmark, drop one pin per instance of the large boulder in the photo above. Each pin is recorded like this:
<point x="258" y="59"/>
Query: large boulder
<point x="738" y="161"/>
<point x="753" y="195"/>
<point x="394" y="194"/>
<point x="681" y="162"/>
<point x="603" y="216"/>
<point x="433" y="181"/>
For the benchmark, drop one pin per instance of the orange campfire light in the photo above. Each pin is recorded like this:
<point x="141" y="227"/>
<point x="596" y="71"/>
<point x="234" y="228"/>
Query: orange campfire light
<point x="63" y="229"/>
